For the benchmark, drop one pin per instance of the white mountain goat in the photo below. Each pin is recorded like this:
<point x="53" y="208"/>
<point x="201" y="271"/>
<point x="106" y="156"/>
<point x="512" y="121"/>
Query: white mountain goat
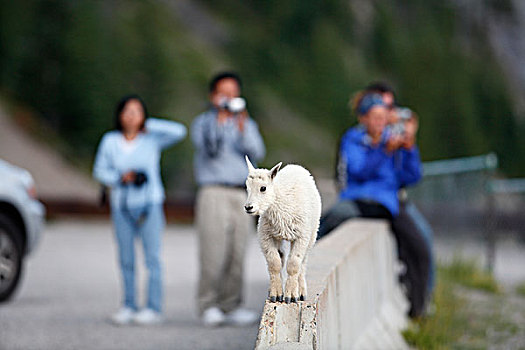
<point x="289" y="208"/>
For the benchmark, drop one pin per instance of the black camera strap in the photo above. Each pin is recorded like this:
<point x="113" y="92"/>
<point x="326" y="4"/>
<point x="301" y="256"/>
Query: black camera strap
<point x="213" y="138"/>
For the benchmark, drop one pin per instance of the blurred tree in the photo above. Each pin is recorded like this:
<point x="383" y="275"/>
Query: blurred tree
<point x="72" y="60"/>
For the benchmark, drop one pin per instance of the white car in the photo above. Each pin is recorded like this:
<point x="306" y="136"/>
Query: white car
<point x="21" y="224"/>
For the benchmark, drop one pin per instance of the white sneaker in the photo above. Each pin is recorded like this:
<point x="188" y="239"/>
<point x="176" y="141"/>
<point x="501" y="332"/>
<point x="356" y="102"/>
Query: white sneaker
<point x="242" y="317"/>
<point x="123" y="316"/>
<point x="212" y="317"/>
<point x="147" y="317"/>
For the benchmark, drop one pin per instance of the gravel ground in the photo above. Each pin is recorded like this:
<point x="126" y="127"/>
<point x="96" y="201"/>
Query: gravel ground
<point x="495" y="321"/>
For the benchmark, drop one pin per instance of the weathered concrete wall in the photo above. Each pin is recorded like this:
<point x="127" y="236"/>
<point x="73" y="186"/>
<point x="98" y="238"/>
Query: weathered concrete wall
<point x="354" y="300"/>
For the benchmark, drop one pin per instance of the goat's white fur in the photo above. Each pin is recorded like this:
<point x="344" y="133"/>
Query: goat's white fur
<point x="289" y="208"/>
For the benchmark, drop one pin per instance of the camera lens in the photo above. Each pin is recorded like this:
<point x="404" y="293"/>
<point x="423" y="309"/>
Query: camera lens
<point x="404" y="113"/>
<point x="236" y="105"/>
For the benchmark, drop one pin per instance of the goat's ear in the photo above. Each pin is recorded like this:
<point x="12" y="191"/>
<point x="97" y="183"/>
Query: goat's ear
<point x="250" y="166"/>
<point x="275" y="169"/>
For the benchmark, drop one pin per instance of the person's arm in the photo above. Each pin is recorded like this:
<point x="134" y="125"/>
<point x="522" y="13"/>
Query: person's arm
<point x="363" y="162"/>
<point x="206" y="136"/>
<point x="103" y="170"/>
<point x="250" y="141"/>
<point x="410" y="171"/>
<point x="166" y="132"/>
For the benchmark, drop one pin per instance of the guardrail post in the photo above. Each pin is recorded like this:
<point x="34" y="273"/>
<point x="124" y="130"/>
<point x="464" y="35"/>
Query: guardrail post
<point x="490" y="234"/>
<point x="491" y="162"/>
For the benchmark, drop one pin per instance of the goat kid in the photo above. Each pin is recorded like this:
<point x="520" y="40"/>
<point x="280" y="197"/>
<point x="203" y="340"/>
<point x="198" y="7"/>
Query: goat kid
<point x="289" y="208"/>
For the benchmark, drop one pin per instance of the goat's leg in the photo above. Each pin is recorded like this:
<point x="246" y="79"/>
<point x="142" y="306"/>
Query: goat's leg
<point x="302" y="270"/>
<point x="282" y="273"/>
<point x="302" y="280"/>
<point x="293" y="266"/>
<point x="270" y="249"/>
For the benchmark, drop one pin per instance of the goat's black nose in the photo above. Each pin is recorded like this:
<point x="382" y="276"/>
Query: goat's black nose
<point x="248" y="207"/>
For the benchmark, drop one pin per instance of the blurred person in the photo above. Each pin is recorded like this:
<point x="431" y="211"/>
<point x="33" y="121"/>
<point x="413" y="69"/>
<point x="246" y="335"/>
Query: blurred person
<point x="375" y="164"/>
<point x="128" y="162"/>
<point x="404" y="124"/>
<point x="372" y="177"/>
<point x="222" y="136"/>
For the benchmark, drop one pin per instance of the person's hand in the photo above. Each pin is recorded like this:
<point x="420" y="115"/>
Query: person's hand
<point x="128" y="177"/>
<point x="408" y="142"/>
<point x="223" y="115"/>
<point x="411" y="127"/>
<point x="394" y="142"/>
<point x="409" y="136"/>
<point x="241" y="120"/>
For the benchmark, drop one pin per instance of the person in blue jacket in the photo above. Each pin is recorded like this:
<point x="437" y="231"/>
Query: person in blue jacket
<point x="376" y="164"/>
<point x="374" y="171"/>
<point x="128" y="162"/>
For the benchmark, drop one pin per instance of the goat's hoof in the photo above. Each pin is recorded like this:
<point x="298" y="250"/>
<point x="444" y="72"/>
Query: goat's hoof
<point x="280" y="298"/>
<point x="294" y="299"/>
<point x="272" y="298"/>
<point x="287" y="300"/>
<point x="301" y="298"/>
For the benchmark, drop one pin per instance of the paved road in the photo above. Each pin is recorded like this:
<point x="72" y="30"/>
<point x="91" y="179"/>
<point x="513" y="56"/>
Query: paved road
<point x="71" y="285"/>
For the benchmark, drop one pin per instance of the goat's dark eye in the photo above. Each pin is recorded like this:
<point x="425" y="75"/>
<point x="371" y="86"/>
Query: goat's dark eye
<point x="263" y="188"/>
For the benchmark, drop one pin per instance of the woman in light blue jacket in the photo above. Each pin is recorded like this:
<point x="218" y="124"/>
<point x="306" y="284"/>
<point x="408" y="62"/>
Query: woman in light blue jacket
<point x="128" y="161"/>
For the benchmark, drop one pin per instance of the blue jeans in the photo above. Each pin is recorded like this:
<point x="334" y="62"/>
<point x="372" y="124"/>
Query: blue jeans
<point x="150" y="232"/>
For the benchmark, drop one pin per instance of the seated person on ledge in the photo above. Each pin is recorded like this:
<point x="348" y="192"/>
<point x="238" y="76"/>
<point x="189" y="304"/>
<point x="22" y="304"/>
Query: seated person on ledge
<point x="377" y="164"/>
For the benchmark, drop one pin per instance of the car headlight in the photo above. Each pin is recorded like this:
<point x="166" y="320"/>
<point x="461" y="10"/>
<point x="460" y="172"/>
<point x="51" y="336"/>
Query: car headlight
<point x="31" y="191"/>
<point x="29" y="184"/>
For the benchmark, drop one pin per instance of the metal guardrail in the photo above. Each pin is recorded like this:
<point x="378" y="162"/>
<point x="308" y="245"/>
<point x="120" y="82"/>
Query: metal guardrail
<point x="461" y="192"/>
<point x="453" y="191"/>
<point x="507" y="186"/>
<point x="461" y="165"/>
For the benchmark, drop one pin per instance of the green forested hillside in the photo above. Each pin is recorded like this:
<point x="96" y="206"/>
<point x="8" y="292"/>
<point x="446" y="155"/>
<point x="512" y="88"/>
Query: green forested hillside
<point x="70" y="61"/>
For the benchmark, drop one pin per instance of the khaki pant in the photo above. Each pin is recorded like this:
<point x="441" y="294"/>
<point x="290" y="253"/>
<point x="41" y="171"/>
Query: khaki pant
<point x="223" y="229"/>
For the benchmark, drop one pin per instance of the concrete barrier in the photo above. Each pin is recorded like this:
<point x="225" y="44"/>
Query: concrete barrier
<point x="354" y="300"/>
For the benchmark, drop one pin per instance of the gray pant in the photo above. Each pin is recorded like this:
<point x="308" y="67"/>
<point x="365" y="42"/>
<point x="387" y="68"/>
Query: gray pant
<point x="223" y="228"/>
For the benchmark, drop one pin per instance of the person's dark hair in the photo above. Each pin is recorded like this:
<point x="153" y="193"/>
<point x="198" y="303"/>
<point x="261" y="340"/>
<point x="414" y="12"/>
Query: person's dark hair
<point x="355" y="100"/>
<point x="120" y="107"/>
<point x="380" y="87"/>
<point x="224" y="75"/>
